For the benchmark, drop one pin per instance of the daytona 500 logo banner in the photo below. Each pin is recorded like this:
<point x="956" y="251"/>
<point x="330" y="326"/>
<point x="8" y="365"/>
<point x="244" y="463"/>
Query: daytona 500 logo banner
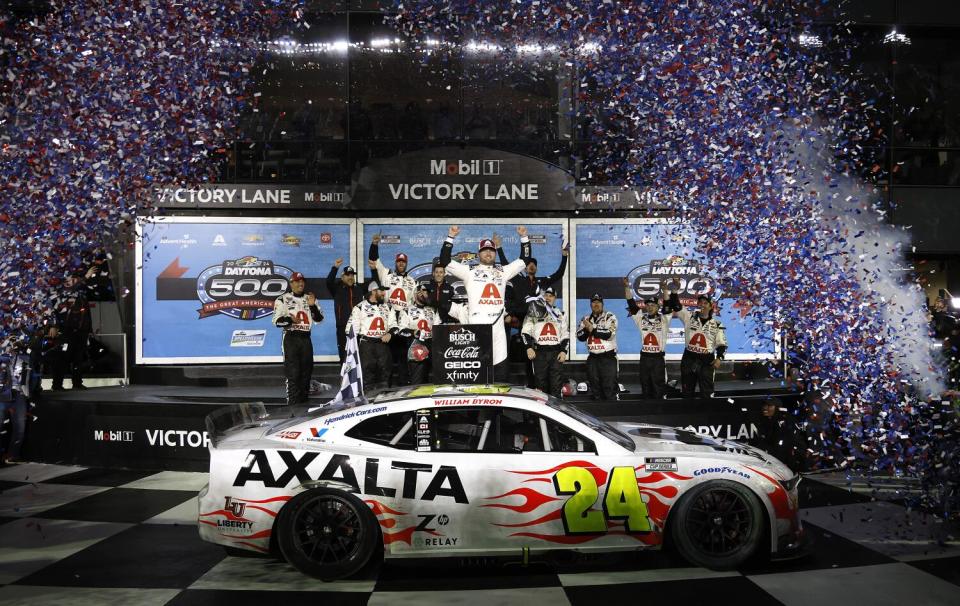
<point x="206" y="287"/>
<point x="655" y="257"/>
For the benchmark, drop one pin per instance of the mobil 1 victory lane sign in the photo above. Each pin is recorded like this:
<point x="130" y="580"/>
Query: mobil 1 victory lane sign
<point x="462" y="353"/>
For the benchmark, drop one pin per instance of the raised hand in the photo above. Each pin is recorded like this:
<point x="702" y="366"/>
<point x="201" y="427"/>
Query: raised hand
<point x="311" y="299"/>
<point x="376" y="238"/>
<point x="338" y="262"/>
<point x="626" y="281"/>
<point x="497" y="240"/>
<point x="454" y="231"/>
<point x="522" y="231"/>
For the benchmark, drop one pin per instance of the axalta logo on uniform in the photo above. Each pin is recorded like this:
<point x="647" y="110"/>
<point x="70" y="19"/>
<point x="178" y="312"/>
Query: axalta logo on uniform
<point x="490" y="295"/>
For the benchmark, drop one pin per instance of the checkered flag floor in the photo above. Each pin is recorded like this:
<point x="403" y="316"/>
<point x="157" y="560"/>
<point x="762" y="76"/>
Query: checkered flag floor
<point x="79" y="536"/>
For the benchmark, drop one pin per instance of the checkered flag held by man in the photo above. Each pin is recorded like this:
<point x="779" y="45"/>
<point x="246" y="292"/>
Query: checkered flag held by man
<point x="351" y="383"/>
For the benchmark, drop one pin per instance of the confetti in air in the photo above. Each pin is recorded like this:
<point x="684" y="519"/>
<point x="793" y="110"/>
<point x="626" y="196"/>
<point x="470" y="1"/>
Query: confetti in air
<point x="727" y="108"/>
<point x="100" y="103"/>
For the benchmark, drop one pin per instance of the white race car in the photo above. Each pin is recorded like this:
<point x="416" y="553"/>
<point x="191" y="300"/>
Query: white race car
<point x="484" y="470"/>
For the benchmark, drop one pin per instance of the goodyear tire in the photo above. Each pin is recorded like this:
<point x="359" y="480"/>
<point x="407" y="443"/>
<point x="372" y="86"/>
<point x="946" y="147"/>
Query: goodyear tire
<point x="327" y="534"/>
<point x="718" y="525"/>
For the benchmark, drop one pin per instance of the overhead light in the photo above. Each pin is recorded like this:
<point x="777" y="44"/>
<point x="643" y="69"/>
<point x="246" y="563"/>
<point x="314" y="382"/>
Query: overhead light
<point x="955" y="302"/>
<point x="895" y="37"/>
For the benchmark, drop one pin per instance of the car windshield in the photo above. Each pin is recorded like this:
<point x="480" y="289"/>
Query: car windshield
<point x="593" y="423"/>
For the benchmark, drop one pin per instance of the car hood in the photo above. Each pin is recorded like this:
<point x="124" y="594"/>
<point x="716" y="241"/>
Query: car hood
<point x="660" y="438"/>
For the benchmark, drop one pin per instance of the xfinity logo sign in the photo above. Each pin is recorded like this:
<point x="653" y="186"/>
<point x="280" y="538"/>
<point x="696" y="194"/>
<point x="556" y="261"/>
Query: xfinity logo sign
<point x="471" y="168"/>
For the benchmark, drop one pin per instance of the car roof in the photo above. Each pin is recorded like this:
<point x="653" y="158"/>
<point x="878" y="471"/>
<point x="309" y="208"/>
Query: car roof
<point x="434" y="391"/>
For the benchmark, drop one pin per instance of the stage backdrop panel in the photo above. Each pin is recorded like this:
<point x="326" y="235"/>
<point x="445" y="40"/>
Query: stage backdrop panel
<point x="653" y="254"/>
<point x="421" y="240"/>
<point x="206" y="286"/>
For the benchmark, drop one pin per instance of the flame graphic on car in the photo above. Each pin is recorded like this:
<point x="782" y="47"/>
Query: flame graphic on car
<point x="261" y="538"/>
<point x="383" y="513"/>
<point x="657" y="489"/>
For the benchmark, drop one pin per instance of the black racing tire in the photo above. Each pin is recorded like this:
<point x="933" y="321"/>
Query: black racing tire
<point x="718" y="525"/>
<point x="327" y="534"/>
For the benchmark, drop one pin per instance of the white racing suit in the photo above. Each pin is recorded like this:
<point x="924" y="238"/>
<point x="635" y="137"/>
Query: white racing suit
<point x="705" y="338"/>
<point x="296" y="318"/>
<point x="370" y="322"/>
<point x="486" y="286"/>
<point x="417" y="324"/>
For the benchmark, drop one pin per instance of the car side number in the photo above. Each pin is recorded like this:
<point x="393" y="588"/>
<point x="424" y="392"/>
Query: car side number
<point x="621" y="502"/>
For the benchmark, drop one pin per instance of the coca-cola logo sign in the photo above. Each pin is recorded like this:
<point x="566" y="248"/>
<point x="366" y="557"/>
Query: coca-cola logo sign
<point x="463" y="353"/>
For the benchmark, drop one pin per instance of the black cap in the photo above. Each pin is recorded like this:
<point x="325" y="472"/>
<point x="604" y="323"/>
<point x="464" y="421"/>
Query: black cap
<point x="596" y="297"/>
<point x="421" y="286"/>
<point x="374" y="286"/>
<point x="532" y="260"/>
<point x="349" y="270"/>
<point x="704" y="298"/>
<point x="651" y="300"/>
<point x="550" y="291"/>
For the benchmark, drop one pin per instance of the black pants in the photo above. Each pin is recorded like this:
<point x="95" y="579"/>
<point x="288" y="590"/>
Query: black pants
<point x="73" y="359"/>
<point x="602" y="376"/>
<point x="501" y="372"/>
<point x="398" y="354"/>
<point x="548" y="370"/>
<point x="297" y="365"/>
<point x="419" y="372"/>
<point x="374" y="363"/>
<point x="696" y="370"/>
<point x="653" y="375"/>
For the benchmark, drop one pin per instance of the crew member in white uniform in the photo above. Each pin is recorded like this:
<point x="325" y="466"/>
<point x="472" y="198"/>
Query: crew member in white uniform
<point x="706" y="340"/>
<point x="653" y="322"/>
<point x="546" y="335"/>
<point x="416" y="324"/>
<point x="599" y="330"/>
<point x="374" y="324"/>
<point x="296" y="312"/>
<point x="486" y="286"/>
<point x="400" y="288"/>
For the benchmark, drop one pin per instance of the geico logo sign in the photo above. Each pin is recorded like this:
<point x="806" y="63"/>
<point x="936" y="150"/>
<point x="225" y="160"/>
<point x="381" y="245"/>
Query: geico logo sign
<point x="177" y="438"/>
<point x="461" y="364"/>
<point x="112" y="436"/>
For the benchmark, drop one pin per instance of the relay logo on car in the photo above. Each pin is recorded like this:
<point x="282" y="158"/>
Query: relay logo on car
<point x="243" y="289"/>
<point x="682" y="276"/>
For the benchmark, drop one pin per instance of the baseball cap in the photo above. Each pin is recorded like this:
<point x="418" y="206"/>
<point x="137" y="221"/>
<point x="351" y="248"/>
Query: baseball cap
<point x="374" y="286"/>
<point x="596" y="297"/>
<point x="349" y="270"/>
<point x="296" y="276"/>
<point x="487" y="243"/>
<point x="421" y="286"/>
<point x="651" y="300"/>
<point x="550" y="291"/>
<point x="401" y="257"/>
<point x="704" y="298"/>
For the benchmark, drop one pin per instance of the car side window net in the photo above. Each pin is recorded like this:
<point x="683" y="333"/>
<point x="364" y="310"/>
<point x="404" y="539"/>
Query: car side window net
<point x="394" y="430"/>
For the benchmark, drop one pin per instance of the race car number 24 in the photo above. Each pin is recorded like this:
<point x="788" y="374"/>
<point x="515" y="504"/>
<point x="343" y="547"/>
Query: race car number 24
<point x="621" y="502"/>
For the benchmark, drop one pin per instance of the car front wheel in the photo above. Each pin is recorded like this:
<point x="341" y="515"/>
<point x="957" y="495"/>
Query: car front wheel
<point x="327" y="534"/>
<point x="718" y="525"/>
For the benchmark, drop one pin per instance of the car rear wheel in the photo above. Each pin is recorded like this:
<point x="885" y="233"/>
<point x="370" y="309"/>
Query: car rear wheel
<point x="718" y="525"/>
<point x="327" y="534"/>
